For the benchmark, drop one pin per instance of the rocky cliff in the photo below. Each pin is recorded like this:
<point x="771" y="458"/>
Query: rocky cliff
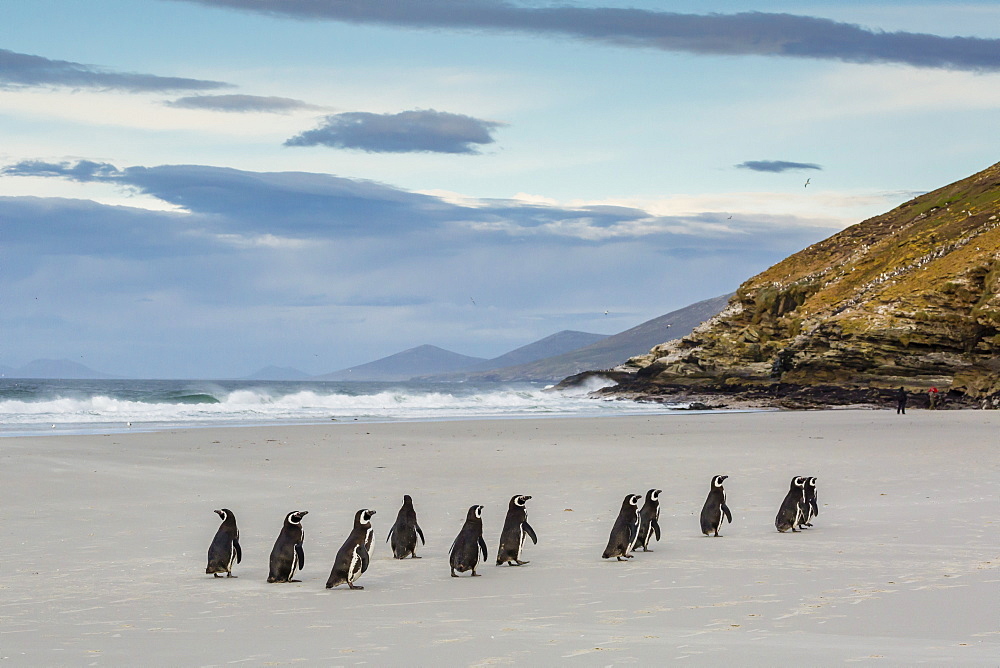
<point x="910" y="298"/>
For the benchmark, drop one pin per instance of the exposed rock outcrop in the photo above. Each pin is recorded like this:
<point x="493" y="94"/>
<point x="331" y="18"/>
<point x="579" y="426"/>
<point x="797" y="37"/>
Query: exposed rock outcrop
<point x="910" y="298"/>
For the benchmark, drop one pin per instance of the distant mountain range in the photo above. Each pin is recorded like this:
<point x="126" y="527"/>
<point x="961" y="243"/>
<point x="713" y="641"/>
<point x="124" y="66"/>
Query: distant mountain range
<point x="45" y="368"/>
<point x="549" y="359"/>
<point x="607" y="352"/>
<point x="417" y="361"/>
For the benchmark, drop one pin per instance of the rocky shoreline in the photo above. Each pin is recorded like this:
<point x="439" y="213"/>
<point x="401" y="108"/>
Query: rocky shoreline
<point x="789" y="396"/>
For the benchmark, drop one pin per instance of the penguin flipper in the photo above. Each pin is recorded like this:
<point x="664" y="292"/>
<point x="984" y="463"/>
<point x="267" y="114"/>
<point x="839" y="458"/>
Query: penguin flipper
<point x="451" y="549"/>
<point x="364" y="558"/>
<point x="239" y="552"/>
<point x="419" y="533"/>
<point x="389" y="535"/>
<point x="729" y="515"/>
<point x="531" y="532"/>
<point x="300" y="553"/>
<point x="815" y="507"/>
<point x="656" y="528"/>
<point x="633" y="533"/>
<point x="482" y="546"/>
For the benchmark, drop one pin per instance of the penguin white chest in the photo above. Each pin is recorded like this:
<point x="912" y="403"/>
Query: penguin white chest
<point x="354" y="568"/>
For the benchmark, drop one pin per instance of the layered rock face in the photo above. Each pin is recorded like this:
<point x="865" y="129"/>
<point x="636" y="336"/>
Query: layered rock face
<point x="910" y="298"/>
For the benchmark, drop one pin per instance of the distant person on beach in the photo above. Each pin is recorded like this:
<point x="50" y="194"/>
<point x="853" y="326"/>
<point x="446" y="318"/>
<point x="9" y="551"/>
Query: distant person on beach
<point x="901" y="401"/>
<point x="932" y="396"/>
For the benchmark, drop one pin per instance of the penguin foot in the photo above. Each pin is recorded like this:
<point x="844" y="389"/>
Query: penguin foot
<point x="216" y="575"/>
<point x="475" y="574"/>
<point x="453" y="573"/>
<point x="230" y="575"/>
<point x="620" y="559"/>
<point x="413" y="556"/>
<point x="293" y="580"/>
<point x="522" y="563"/>
<point x="353" y="586"/>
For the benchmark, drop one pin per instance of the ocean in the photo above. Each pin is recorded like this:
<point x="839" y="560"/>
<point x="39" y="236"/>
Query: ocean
<point x="36" y="406"/>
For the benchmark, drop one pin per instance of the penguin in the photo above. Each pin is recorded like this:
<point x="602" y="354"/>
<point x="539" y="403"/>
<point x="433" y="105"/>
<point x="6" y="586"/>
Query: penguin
<point x="405" y="531"/>
<point x="625" y="531"/>
<point x="515" y="528"/>
<point x="464" y="552"/>
<point x="225" y="548"/>
<point x="287" y="555"/>
<point x="715" y="507"/>
<point x="790" y="513"/>
<point x="810" y="508"/>
<point x="353" y="556"/>
<point x="649" y="519"/>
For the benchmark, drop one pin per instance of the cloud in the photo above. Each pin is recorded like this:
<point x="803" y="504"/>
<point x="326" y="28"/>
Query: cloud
<point x="746" y="33"/>
<point x="293" y="261"/>
<point x="406" y="132"/>
<point x="776" y="166"/>
<point x="246" y="207"/>
<point x="21" y="69"/>
<point x="240" y="103"/>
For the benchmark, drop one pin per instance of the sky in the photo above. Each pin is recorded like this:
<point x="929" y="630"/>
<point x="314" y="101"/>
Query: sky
<point x="201" y="188"/>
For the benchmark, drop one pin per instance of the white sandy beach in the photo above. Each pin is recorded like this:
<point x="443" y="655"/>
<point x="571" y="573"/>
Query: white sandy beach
<point x="103" y="542"/>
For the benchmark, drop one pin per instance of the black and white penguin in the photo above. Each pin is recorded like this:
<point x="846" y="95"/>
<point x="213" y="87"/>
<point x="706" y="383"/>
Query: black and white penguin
<point x="625" y="531"/>
<point x="515" y="528"/>
<point x="225" y="548"/>
<point x="353" y="556"/>
<point x="790" y="513"/>
<point x="810" y="508"/>
<point x="649" y="519"/>
<point x="405" y="531"/>
<point x="715" y="507"/>
<point x="287" y="555"/>
<point x="464" y="553"/>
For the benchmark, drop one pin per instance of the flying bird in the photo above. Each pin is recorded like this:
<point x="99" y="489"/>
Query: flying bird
<point x="806" y="185"/>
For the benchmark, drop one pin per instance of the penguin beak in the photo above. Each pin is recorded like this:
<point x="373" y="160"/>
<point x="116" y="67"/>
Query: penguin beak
<point x="372" y="512"/>
<point x="526" y="498"/>
<point x="218" y="512"/>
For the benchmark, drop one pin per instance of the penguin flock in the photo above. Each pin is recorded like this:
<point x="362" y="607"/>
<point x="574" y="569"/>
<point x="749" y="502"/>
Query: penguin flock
<point x="635" y="526"/>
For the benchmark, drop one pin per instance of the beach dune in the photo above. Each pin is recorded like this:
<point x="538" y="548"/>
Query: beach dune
<point x="103" y="543"/>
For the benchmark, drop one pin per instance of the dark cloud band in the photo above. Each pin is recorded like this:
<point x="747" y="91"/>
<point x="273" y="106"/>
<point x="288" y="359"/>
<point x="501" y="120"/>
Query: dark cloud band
<point x="406" y="132"/>
<point x="21" y="69"/>
<point x="776" y="166"/>
<point x="240" y="104"/>
<point x="747" y="33"/>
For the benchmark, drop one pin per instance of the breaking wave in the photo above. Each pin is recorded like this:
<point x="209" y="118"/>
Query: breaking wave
<point x="91" y="406"/>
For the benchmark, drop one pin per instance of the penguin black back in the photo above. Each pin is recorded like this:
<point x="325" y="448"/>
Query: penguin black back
<point x="464" y="553"/>
<point x="404" y="531"/>
<point x="353" y="557"/>
<point x="649" y="519"/>
<point x="790" y="512"/>
<point x="287" y="555"/>
<point x="625" y="530"/>
<point x="515" y="528"/>
<point x="715" y="507"/>
<point x="225" y="548"/>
